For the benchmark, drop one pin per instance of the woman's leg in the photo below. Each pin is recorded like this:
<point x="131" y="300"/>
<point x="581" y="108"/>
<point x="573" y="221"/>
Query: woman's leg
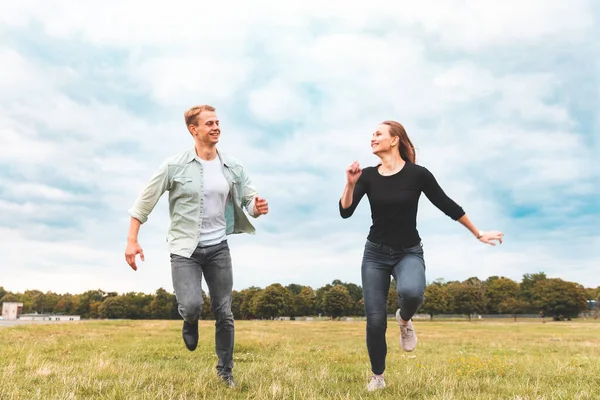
<point x="376" y="271"/>
<point x="409" y="273"/>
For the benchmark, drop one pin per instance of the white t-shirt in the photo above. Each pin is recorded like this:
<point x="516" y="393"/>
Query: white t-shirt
<point x="216" y="189"/>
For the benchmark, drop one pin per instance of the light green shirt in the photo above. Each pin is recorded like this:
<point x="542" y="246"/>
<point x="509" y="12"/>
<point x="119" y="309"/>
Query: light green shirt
<point x="182" y="176"/>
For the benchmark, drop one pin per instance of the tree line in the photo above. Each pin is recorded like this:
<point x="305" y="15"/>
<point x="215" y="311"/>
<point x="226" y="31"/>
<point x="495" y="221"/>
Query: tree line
<point x="495" y="295"/>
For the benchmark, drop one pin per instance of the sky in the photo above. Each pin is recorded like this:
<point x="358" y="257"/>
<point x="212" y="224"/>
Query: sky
<point x="501" y="100"/>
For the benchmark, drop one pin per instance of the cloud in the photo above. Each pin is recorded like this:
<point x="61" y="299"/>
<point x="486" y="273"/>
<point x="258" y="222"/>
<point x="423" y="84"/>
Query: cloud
<point x="500" y="100"/>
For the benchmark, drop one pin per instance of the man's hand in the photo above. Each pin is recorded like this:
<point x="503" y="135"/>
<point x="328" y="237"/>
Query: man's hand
<point x="261" y="206"/>
<point x="132" y="250"/>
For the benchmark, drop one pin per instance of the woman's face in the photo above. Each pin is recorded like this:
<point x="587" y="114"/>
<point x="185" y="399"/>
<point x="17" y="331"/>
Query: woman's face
<point x="382" y="141"/>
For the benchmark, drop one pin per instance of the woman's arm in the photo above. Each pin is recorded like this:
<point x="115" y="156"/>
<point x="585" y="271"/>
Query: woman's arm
<point x="485" y="237"/>
<point x="438" y="198"/>
<point x="353" y="191"/>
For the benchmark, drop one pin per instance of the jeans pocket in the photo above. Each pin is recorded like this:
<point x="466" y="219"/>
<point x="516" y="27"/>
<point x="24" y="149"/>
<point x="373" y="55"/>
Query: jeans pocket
<point x="416" y="249"/>
<point x="371" y="245"/>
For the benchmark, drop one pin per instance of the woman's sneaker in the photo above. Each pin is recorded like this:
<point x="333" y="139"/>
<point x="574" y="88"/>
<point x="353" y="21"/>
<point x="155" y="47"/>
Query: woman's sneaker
<point x="408" y="337"/>
<point x="376" y="383"/>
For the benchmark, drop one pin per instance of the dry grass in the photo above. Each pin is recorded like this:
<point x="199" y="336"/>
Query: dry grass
<point x="300" y="360"/>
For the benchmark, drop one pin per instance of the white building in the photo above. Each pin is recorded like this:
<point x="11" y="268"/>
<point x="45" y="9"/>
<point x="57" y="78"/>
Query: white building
<point x="49" y="317"/>
<point x="11" y="311"/>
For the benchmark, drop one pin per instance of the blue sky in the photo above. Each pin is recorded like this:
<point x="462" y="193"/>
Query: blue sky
<point x="501" y="101"/>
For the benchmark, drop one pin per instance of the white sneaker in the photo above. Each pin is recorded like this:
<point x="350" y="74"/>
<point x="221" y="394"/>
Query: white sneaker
<point x="408" y="337"/>
<point x="376" y="383"/>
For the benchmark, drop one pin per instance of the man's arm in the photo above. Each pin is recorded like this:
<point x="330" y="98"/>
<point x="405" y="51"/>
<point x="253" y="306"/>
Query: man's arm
<point x="133" y="247"/>
<point x="143" y="206"/>
<point x="254" y="205"/>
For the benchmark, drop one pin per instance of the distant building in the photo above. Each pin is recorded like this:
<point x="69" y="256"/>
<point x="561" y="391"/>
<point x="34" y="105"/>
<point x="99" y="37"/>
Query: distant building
<point x="49" y="317"/>
<point x="11" y="311"/>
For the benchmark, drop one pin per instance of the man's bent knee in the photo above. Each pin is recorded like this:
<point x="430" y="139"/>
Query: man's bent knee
<point x="190" y="310"/>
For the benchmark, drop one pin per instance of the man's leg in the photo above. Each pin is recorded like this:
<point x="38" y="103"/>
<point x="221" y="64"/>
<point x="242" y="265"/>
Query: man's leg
<point x="187" y="282"/>
<point x="219" y="279"/>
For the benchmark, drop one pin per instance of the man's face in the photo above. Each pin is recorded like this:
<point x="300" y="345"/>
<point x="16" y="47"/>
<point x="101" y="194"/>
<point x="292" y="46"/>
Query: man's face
<point x="207" y="131"/>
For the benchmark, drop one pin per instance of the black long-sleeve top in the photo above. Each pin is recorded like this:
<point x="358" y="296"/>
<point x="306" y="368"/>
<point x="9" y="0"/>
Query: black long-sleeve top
<point x="394" y="201"/>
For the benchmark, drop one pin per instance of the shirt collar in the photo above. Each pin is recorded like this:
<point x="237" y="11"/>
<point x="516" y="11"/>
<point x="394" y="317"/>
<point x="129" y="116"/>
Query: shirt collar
<point x="191" y="156"/>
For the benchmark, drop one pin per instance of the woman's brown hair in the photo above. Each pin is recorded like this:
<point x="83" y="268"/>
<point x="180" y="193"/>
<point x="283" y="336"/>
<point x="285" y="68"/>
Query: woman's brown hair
<point x="406" y="148"/>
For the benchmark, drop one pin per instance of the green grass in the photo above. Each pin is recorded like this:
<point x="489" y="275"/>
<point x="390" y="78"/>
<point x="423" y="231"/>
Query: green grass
<point x="300" y="360"/>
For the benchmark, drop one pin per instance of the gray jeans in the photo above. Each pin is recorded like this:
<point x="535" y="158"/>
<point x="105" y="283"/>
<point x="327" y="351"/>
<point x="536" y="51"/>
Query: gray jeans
<point x="380" y="262"/>
<point x="214" y="262"/>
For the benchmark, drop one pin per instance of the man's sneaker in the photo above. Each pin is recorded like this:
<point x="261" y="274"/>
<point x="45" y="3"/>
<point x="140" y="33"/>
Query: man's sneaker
<point x="376" y="383"/>
<point x="408" y="337"/>
<point x="190" y="335"/>
<point x="228" y="380"/>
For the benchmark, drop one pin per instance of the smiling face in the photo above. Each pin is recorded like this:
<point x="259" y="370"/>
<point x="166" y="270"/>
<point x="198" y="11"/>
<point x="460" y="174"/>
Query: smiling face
<point x="382" y="141"/>
<point x="206" y="130"/>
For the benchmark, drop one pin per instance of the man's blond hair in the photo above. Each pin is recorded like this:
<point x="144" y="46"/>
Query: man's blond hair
<point x="191" y="115"/>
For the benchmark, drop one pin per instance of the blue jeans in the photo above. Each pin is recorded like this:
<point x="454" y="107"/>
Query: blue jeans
<point x="214" y="262"/>
<point x="407" y="266"/>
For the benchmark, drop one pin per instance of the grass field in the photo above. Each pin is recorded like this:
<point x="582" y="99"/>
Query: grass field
<point x="300" y="360"/>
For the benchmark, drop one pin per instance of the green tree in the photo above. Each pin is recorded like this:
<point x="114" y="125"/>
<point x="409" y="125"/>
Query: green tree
<point x="273" y="301"/>
<point x="337" y="301"/>
<point x="206" y="312"/>
<point x="236" y="304"/>
<point x="294" y="288"/>
<point x="2" y="292"/>
<point x="32" y="301"/>
<point x="319" y="298"/>
<point x="66" y="304"/>
<point x="559" y="297"/>
<point x="498" y="290"/>
<point x="246" y="305"/>
<point x="474" y="280"/>
<point x="491" y="279"/>
<point x="466" y="297"/>
<point x="436" y="299"/>
<point x="527" y="284"/>
<point x="49" y="301"/>
<point x="113" y="308"/>
<point x="163" y="305"/>
<point x="87" y="298"/>
<point x="392" y="299"/>
<point x="135" y="305"/>
<point x="305" y="302"/>
<point x="95" y="309"/>
<point x="513" y="306"/>
<point x="354" y="290"/>
<point x="356" y="294"/>
<point x="591" y="293"/>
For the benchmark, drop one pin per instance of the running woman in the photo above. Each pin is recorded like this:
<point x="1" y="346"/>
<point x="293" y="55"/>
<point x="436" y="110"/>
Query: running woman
<point x="393" y="246"/>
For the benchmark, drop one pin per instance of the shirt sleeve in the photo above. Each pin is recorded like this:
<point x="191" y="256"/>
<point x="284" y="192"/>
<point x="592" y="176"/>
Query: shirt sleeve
<point x="146" y="201"/>
<point x="438" y="198"/>
<point x="359" y="191"/>
<point x="249" y="193"/>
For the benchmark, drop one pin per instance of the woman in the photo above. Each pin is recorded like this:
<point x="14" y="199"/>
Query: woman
<point x="393" y="245"/>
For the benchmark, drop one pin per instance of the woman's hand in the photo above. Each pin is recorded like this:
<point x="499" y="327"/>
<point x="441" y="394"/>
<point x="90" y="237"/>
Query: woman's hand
<point x="490" y="236"/>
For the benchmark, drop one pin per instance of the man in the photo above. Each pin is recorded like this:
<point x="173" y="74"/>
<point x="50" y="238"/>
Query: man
<point x="207" y="193"/>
